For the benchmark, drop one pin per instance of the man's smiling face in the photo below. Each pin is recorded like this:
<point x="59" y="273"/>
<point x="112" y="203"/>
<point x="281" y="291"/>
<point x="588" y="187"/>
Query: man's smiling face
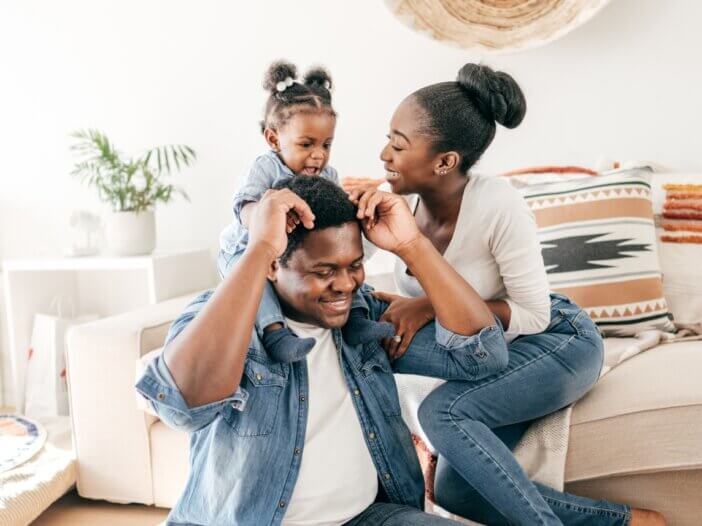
<point x="318" y="281"/>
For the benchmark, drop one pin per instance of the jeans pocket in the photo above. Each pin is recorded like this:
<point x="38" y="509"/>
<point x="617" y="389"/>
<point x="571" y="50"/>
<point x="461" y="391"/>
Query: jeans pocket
<point x="264" y="388"/>
<point x="579" y="320"/>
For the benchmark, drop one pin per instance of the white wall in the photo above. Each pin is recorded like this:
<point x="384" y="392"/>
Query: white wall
<point x="625" y="85"/>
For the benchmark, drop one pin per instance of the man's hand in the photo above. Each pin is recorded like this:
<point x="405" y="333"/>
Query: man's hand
<point x="407" y="315"/>
<point x="270" y="221"/>
<point x="387" y="220"/>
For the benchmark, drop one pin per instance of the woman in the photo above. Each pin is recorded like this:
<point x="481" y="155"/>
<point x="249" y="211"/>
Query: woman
<point x="486" y="231"/>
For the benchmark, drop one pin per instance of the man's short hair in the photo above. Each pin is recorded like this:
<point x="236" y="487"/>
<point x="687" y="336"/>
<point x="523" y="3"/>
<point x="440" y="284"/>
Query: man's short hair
<point x="329" y="204"/>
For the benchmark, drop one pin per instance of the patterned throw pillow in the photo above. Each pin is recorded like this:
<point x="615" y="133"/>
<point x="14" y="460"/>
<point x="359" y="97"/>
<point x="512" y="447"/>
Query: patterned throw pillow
<point x="599" y="246"/>
<point x="677" y="205"/>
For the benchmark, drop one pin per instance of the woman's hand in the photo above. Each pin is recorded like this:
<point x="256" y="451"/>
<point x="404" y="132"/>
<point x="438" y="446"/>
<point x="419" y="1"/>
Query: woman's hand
<point x="386" y="219"/>
<point x="407" y="315"/>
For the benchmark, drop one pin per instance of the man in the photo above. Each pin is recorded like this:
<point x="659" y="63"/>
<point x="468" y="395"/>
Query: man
<point x="320" y="441"/>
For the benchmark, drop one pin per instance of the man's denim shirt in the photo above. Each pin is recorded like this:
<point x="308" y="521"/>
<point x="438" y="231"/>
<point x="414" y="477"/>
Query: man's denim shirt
<point x="245" y="450"/>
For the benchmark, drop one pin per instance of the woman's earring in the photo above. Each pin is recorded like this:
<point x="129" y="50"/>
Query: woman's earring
<point x="442" y="172"/>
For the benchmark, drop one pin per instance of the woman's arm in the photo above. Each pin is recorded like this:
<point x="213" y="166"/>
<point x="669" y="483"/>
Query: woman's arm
<point x="514" y="243"/>
<point x="389" y="224"/>
<point x="502" y="310"/>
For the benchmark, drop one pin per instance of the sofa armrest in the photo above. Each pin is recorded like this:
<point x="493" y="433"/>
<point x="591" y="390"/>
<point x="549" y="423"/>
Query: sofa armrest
<point x="110" y="433"/>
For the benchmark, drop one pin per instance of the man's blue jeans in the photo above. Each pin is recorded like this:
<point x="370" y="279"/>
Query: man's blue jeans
<point x="384" y="514"/>
<point x="475" y="424"/>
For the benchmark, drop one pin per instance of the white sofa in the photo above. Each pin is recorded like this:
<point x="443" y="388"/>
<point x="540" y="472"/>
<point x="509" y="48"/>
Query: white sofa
<point x="635" y="438"/>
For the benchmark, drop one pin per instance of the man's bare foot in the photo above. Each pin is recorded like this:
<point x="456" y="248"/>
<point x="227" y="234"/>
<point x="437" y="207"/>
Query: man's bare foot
<point x="646" y="518"/>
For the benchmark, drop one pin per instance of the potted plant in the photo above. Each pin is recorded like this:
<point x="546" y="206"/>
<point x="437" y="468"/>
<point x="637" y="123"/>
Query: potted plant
<point x="131" y="185"/>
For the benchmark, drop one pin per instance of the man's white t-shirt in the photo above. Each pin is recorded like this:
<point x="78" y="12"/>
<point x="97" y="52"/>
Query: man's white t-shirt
<point x="337" y="478"/>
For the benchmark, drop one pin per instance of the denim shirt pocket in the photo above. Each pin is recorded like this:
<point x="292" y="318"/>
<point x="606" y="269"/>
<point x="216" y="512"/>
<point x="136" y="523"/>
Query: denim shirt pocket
<point x="378" y="375"/>
<point x="264" y="386"/>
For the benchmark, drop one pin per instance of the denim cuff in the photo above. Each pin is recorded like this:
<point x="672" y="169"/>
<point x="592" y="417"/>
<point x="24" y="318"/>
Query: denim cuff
<point x="243" y="199"/>
<point x="450" y="340"/>
<point x="159" y="388"/>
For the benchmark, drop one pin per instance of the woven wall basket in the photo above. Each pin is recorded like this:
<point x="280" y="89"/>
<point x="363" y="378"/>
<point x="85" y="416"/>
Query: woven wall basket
<point x="495" y="25"/>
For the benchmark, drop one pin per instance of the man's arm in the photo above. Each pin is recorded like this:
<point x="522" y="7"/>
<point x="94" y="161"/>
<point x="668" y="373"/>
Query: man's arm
<point x="206" y="360"/>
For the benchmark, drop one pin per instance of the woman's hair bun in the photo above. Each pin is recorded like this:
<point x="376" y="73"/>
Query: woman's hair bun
<point x="318" y="77"/>
<point x="496" y="93"/>
<point x="278" y="72"/>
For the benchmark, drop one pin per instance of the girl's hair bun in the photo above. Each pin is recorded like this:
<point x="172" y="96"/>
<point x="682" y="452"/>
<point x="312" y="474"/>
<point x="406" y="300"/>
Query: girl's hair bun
<point x="318" y="77"/>
<point x="278" y="72"/>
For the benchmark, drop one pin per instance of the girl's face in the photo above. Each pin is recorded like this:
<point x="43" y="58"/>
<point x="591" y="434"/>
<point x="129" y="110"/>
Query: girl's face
<point x="304" y="141"/>
<point x="408" y="157"/>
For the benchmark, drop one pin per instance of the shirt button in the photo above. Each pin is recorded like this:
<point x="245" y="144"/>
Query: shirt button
<point x="302" y="398"/>
<point x="259" y="377"/>
<point x="357" y="392"/>
<point x="386" y="476"/>
<point x="161" y="396"/>
<point x="371" y="435"/>
<point x="282" y="504"/>
<point x="298" y="451"/>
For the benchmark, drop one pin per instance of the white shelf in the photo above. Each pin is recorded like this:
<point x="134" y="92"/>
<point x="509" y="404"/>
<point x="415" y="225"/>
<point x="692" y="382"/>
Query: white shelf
<point x="93" y="263"/>
<point x="93" y="285"/>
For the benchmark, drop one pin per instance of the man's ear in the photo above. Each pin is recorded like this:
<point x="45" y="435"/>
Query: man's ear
<point x="272" y="273"/>
<point x="271" y="137"/>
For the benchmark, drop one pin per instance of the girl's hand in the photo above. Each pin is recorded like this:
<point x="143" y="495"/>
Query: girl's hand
<point x="387" y="220"/>
<point x="407" y="315"/>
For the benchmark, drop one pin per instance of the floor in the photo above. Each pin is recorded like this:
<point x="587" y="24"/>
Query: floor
<point x="72" y="510"/>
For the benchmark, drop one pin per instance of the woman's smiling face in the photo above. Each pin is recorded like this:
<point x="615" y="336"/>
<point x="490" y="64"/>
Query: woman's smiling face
<point x="408" y="157"/>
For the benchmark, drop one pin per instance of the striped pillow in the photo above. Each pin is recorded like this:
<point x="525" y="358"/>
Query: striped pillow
<point x="599" y="245"/>
<point x="677" y="205"/>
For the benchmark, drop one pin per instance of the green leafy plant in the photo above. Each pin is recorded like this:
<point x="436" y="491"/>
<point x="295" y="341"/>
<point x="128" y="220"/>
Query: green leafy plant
<point x="129" y="184"/>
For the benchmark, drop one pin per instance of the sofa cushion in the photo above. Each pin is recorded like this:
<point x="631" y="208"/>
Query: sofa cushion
<point x="170" y="450"/>
<point x="645" y="415"/>
<point x="599" y="246"/>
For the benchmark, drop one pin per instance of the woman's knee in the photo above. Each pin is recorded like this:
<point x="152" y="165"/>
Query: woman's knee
<point x="442" y="407"/>
<point x="433" y="412"/>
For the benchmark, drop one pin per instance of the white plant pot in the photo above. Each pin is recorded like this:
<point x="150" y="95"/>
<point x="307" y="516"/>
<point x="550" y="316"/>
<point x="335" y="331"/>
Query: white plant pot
<point x="131" y="233"/>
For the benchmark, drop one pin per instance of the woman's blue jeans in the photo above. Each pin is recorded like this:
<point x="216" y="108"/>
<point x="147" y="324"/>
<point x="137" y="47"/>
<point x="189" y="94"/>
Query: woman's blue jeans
<point x="475" y="424"/>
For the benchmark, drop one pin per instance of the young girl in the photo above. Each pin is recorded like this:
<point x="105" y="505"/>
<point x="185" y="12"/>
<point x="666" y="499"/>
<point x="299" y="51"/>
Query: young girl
<point x="298" y="125"/>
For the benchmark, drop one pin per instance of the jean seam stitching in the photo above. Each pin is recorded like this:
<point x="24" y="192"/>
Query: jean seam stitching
<point x="590" y="509"/>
